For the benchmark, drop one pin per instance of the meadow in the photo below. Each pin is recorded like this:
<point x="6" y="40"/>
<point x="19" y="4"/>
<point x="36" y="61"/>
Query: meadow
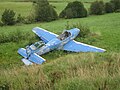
<point x="25" y="8"/>
<point x="62" y="70"/>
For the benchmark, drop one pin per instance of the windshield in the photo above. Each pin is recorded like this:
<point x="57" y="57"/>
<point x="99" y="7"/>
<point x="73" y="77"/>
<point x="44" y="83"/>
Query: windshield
<point x="64" y="35"/>
<point x="39" y="44"/>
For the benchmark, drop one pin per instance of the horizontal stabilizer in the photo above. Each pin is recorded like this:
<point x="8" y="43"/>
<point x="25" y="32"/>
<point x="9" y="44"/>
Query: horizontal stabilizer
<point x="81" y="47"/>
<point x="32" y="58"/>
<point x="26" y="62"/>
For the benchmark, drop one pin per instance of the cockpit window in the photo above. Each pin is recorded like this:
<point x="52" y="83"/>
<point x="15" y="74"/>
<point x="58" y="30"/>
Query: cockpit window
<point x="36" y="44"/>
<point x="39" y="44"/>
<point x="64" y="35"/>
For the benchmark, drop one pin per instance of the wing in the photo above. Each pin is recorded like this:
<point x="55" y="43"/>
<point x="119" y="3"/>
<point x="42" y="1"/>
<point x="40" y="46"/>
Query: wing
<point x="81" y="47"/>
<point x="45" y="35"/>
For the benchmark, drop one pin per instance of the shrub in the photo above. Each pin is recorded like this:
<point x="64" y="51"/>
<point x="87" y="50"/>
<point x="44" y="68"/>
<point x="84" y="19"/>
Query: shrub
<point x="74" y="10"/>
<point x="44" y="11"/>
<point x="116" y="4"/>
<point x="85" y="34"/>
<point x="118" y="10"/>
<point x="97" y="8"/>
<point x="8" y="17"/>
<point x="29" y="19"/>
<point x="20" y="19"/>
<point x="1" y="24"/>
<point x="109" y="7"/>
<point x="16" y="36"/>
<point x="84" y="31"/>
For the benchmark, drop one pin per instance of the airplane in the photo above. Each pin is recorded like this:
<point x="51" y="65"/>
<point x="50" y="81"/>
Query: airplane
<point x="50" y="41"/>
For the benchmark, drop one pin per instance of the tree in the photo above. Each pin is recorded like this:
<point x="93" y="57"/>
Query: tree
<point x="44" y="11"/>
<point x="97" y="8"/>
<point x="116" y="4"/>
<point x="74" y="10"/>
<point x="8" y="17"/>
<point x="109" y="7"/>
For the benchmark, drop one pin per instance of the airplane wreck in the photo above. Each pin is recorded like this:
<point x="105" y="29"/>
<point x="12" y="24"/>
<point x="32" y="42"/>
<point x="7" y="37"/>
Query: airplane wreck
<point x="51" y="41"/>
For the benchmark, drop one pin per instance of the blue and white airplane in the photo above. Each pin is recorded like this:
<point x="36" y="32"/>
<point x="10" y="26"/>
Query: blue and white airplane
<point x="51" y="41"/>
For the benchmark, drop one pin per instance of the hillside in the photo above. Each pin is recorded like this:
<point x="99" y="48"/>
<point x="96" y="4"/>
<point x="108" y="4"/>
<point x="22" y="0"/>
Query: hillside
<point x="86" y="71"/>
<point x="25" y="8"/>
<point x="99" y="70"/>
<point x="62" y="70"/>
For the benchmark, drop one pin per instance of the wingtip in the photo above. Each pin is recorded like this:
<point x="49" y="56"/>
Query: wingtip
<point x="104" y="50"/>
<point x="34" y="28"/>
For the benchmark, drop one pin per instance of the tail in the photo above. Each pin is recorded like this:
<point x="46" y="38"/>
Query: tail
<point x="33" y="58"/>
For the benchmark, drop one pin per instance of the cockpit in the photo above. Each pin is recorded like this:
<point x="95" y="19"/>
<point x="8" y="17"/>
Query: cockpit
<point x="64" y="35"/>
<point x="30" y="49"/>
<point x="37" y="45"/>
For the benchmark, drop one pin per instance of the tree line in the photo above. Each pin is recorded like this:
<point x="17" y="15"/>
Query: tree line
<point x="43" y="11"/>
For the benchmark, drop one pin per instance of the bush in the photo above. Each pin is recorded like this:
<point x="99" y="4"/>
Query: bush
<point x="97" y="8"/>
<point x="84" y="31"/>
<point x="116" y="4"/>
<point x="20" y="19"/>
<point x="44" y="11"/>
<point x="1" y="24"/>
<point x="74" y="10"/>
<point x="85" y="34"/>
<point x="29" y="19"/>
<point x="109" y="7"/>
<point x="8" y="17"/>
<point x="117" y="11"/>
<point x="16" y="36"/>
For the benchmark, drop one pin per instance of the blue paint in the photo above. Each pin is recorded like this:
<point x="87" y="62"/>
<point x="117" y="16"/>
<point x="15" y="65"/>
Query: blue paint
<point x="52" y="41"/>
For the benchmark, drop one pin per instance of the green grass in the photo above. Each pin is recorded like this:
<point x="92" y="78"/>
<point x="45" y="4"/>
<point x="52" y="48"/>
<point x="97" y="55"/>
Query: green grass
<point x="54" y="0"/>
<point x="86" y="71"/>
<point x="109" y="34"/>
<point x="25" y="8"/>
<point x="62" y="70"/>
<point x="22" y="8"/>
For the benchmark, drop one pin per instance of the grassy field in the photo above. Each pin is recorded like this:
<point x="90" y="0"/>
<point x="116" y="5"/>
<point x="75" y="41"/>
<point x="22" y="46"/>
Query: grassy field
<point x="85" y="71"/>
<point x="62" y="70"/>
<point x="25" y="8"/>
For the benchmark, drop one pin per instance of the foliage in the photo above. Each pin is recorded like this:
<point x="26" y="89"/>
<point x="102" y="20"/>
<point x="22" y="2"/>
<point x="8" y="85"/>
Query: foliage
<point x="74" y="71"/>
<point x="118" y="10"/>
<point x="44" y="11"/>
<point x="74" y="10"/>
<point x="85" y="35"/>
<point x="109" y="7"/>
<point x="97" y="8"/>
<point x="29" y="19"/>
<point x="84" y="31"/>
<point x="15" y="37"/>
<point x="95" y="71"/>
<point x="1" y="24"/>
<point x="20" y="19"/>
<point x="8" y="17"/>
<point x="116" y="4"/>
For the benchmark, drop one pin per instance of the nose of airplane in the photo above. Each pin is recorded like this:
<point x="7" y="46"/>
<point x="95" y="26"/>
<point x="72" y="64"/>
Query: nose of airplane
<point x="77" y="30"/>
<point x="74" y="32"/>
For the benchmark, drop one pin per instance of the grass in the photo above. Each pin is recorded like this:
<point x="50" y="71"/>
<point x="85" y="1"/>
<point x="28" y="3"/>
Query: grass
<point x="52" y="0"/>
<point x="80" y="71"/>
<point x="109" y="37"/>
<point x="62" y="70"/>
<point x="108" y="31"/>
<point x="25" y="8"/>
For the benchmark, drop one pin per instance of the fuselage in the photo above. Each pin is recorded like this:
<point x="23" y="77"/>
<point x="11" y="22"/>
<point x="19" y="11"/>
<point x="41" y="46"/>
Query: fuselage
<point x="58" y="42"/>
